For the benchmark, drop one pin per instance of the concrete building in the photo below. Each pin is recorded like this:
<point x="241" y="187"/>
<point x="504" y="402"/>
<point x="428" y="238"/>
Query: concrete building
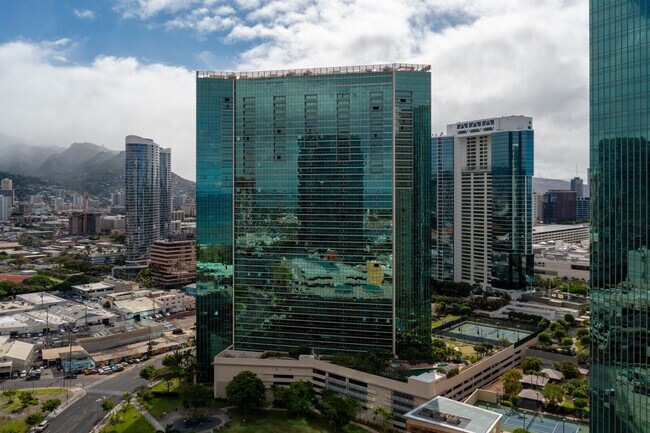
<point x="178" y="201"/>
<point x="170" y="301"/>
<point x="137" y="308"/>
<point x="570" y="233"/>
<point x="493" y="169"/>
<point x="41" y="300"/>
<point x="76" y="360"/>
<point x="109" y="223"/>
<point x="81" y="224"/>
<point x="442" y="415"/>
<point x="173" y="263"/>
<point x="9" y="194"/>
<point x="6" y="184"/>
<point x="15" y="355"/>
<point x="538" y="208"/>
<point x="5" y="208"/>
<point x="370" y="390"/>
<point x="92" y="290"/>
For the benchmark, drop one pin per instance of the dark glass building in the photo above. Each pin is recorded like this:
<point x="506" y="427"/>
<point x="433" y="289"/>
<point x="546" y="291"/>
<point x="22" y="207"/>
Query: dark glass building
<point x="560" y="206"/>
<point x="442" y="208"/>
<point x="313" y="209"/>
<point x="620" y="216"/>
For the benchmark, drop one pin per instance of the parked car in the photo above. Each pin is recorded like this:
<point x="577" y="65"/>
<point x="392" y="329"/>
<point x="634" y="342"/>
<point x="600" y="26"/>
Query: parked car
<point x="70" y="376"/>
<point x="23" y="374"/>
<point x="42" y="426"/>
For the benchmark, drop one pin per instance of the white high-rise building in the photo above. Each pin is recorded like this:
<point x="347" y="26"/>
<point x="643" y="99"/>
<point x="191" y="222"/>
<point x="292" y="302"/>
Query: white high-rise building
<point x="148" y="195"/>
<point x="493" y="169"/>
<point x="6" y="184"/>
<point x="5" y="208"/>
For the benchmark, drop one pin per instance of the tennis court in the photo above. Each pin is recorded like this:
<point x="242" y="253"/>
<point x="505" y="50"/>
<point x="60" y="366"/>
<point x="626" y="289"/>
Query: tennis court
<point x="486" y="332"/>
<point x="534" y="422"/>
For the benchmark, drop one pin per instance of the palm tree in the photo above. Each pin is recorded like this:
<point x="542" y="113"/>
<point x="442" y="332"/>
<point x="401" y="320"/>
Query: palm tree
<point x="169" y="428"/>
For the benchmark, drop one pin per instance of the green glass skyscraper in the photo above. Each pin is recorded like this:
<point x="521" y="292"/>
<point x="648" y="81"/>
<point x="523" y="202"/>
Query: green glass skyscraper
<point x="620" y="228"/>
<point x="313" y="209"/>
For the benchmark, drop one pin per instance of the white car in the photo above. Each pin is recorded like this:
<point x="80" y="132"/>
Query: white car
<point x="42" y="426"/>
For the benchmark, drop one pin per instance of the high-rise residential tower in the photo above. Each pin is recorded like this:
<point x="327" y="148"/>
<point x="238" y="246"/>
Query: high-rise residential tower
<point x="142" y="190"/>
<point x="620" y="216"/>
<point x="313" y="209"/>
<point x="6" y="184"/>
<point x="492" y="196"/>
<point x="165" y="174"/>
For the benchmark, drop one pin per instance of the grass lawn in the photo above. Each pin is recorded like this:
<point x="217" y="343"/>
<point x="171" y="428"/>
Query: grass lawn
<point x="443" y="320"/>
<point x="132" y="422"/>
<point x="48" y="391"/>
<point x="262" y="421"/>
<point x="163" y="403"/>
<point x="162" y="386"/>
<point x="17" y="426"/>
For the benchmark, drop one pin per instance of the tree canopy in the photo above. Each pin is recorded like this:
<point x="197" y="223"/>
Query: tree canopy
<point x="246" y="391"/>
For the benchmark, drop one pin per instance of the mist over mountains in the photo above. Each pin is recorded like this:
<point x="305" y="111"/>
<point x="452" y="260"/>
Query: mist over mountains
<point x="81" y="167"/>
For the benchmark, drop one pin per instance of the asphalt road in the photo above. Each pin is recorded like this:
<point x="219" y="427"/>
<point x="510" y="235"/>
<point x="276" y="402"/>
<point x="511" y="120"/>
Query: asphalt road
<point x="83" y="414"/>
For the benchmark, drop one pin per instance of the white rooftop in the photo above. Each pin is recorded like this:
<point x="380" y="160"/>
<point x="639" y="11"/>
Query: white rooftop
<point x="455" y="416"/>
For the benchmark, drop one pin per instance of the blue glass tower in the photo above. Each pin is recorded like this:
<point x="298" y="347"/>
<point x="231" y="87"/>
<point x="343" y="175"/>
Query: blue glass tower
<point x="620" y="215"/>
<point x="442" y="208"/>
<point x="313" y="209"/>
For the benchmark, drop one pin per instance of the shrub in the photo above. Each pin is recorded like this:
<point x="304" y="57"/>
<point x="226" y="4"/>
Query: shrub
<point x="544" y="338"/>
<point x="582" y="332"/>
<point x="453" y="372"/>
<point x="579" y="393"/>
<point x="567" y="342"/>
<point x="580" y="402"/>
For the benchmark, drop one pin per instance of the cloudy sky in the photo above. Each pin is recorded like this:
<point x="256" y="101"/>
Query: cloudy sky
<point x="100" y="70"/>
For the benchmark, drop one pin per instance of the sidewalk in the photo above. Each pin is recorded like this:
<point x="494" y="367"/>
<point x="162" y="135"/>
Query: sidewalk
<point x="150" y="418"/>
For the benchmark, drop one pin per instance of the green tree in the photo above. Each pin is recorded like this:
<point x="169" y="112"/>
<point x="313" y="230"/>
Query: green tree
<point x="34" y="419"/>
<point x="182" y="365"/>
<point x="531" y="363"/>
<point x="245" y="391"/>
<point x="115" y="419"/>
<point x="195" y="396"/>
<point x="567" y="342"/>
<point x="582" y="332"/>
<point x="296" y="398"/>
<point x="568" y="318"/>
<point x="148" y="373"/>
<point x="511" y="384"/>
<point x="19" y="262"/>
<point x="338" y="411"/>
<point x="568" y="368"/>
<point x="521" y="430"/>
<point x="26" y="398"/>
<point x="51" y="404"/>
<point x="165" y="374"/>
<point x="452" y="372"/>
<point x="553" y="394"/>
<point x="10" y="393"/>
<point x="108" y="405"/>
<point x="386" y="416"/>
<point x="144" y="277"/>
<point x="9" y="288"/>
<point x="544" y="338"/>
<point x="126" y="398"/>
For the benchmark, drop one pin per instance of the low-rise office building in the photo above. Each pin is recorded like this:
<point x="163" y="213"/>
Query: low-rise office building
<point x="93" y="290"/>
<point x="173" y="263"/>
<point x="14" y="355"/>
<point x="76" y="360"/>
<point x="370" y="390"/>
<point x="137" y="308"/>
<point x="442" y="415"/>
<point x="170" y="301"/>
<point x="572" y="233"/>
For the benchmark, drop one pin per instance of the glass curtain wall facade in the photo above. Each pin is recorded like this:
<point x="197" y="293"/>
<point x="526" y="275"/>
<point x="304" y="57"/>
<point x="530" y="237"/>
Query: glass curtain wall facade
<point x="142" y="184"/>
<point x="442" y="208"/>
<point x="513" y="261"/>
<point x="316" y="195"/>
<point x="165" y="192"/>
<point x="620" y="216"/>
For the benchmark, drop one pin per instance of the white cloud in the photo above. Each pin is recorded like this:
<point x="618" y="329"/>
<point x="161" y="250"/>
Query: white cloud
<point x="48" y="103"/>
<point x="489" y="57"/>
<point x="84" y="14"/>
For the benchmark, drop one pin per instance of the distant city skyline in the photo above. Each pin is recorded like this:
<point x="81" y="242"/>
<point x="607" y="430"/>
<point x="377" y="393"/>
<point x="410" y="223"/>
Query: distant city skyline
<point x="82" y="71"/>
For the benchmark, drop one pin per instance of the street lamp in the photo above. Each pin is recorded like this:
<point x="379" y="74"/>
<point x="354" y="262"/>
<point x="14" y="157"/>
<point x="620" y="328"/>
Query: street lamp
<point x="563" y="419"/>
